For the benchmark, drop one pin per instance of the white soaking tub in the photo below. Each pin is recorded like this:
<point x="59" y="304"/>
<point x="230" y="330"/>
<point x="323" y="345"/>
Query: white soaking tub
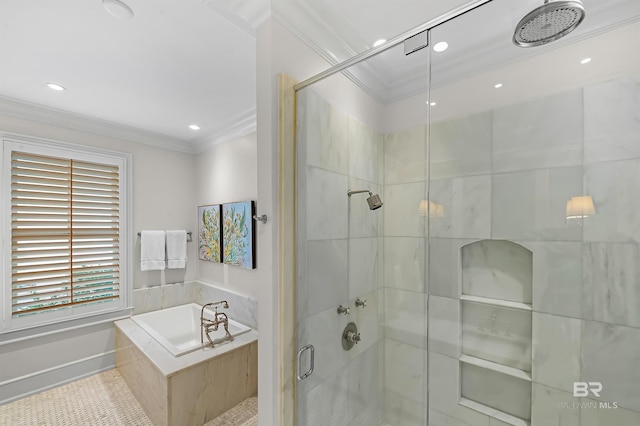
<point x="176" y="383"/>
<point x="177" y="329"/>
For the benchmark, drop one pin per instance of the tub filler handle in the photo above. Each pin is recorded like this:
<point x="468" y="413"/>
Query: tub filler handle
<point x="311" y="361"/>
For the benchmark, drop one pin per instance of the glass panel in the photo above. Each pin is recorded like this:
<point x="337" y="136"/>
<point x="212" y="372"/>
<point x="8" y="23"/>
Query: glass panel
<point x="533" y="252"/>
<point x="363" y="131"/>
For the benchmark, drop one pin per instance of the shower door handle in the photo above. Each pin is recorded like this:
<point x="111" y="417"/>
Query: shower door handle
<point x="311" y="361"/>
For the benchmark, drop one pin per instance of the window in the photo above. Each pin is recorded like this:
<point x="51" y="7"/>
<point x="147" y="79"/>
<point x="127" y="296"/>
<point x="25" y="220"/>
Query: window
<point x="66" y="209"/>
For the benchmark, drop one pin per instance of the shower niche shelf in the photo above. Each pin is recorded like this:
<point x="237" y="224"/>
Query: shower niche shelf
<point x="496" y="338"/>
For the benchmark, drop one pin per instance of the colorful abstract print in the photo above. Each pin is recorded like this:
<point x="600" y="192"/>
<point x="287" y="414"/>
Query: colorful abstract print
<point x="237" y="222"/>
<point x="209" y="233"/>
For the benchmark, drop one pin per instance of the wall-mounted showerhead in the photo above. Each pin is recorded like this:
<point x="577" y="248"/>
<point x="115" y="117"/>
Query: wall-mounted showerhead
<point x="549" y="22"/>
<point x="374" y="200"/>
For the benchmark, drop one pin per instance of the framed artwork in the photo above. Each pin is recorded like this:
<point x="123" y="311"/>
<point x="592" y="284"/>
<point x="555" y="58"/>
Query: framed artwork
<point x="238" y="234"/>
<point x="209" y="235"/>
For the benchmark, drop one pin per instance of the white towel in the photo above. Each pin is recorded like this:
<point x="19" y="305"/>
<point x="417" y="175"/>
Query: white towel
<point x="152" y="253"/>
<point x="177" y="249"/>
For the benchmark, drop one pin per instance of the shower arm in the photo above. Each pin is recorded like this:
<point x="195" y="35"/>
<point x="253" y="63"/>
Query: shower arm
<point x="350" y="192"/>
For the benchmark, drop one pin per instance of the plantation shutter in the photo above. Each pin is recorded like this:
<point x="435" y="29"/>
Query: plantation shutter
<point x="64" y="233"/>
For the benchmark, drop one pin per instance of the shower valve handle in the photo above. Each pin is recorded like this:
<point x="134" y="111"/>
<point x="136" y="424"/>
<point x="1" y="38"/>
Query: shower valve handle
<point x="343" y="310"/>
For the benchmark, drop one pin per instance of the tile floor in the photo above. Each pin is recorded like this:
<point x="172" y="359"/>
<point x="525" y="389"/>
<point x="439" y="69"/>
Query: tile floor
<point x="101" y="400"/>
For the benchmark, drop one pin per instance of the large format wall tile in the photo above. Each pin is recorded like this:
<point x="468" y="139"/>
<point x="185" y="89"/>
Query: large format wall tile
<point x="365" y="388"/>
<point x="402" y="210"/>
<point x="611" y="283"/>
<point x="363" y="151"/>
<point x="461" y="147"/>
<point x="444" y="326"/>
<point x="363" y="266"/>
<point x="327" y="277"/>
<point x="532" y="205"/>
<point x="327" y="205"/>
<point x="611" y="125"/>
<point x="328" y="403"/>
<point x="405" y="156"/>
<point x="324" y="332"/>
<point x="552" y="407"/>
<point x="404" y="370"/>
<point x="405" y="317"/>
<point x="543" y="133"/>
<point x="404" y="267"/>
<point x="325" y="131"/>
<point x="466" y="205"/>
<point x="556" y="351"/>
<point x="610" y="355"/>
<point x="557" y="277"/>
<point x="614" y="187"/>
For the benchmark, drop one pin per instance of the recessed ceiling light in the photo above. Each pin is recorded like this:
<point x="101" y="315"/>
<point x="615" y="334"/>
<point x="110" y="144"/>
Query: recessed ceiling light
<point x="118" y="9"/>
<point x="498" y="85"/>
<point x="54" y="86"/>
<point x="441" y="46"/>
<point x="194" y="127"/>
<point x="379" y="42"/>
<point x="433" y="104"/>
<point x="585" y="61"/>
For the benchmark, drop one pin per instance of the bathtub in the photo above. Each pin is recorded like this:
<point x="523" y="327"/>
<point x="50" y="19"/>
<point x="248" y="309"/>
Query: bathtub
<point x="177" y="329"/>
<point x="176" y="380"/>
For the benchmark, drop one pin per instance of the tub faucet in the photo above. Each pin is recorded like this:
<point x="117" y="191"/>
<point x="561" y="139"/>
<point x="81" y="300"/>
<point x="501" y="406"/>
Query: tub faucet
<point x="207" y="325"/>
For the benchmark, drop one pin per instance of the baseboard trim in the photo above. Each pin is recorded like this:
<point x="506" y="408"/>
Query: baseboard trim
<point x="39" y="381"/>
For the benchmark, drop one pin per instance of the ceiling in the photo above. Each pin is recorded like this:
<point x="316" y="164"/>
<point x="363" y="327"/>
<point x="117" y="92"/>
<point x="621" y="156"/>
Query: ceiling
<point x="183" y="62"/>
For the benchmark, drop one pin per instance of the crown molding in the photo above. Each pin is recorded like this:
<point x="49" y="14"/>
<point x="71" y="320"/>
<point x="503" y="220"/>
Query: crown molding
<point x="245" y="14"/>
<point x="236" y="128"/>
<point x="35" y="112"/>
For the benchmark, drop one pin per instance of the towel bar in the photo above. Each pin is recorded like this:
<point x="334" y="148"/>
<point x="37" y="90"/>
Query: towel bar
<point x="189" y="237"/>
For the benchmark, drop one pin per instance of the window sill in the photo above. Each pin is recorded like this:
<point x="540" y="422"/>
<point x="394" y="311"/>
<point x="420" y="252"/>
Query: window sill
<point x="19" y="335"/>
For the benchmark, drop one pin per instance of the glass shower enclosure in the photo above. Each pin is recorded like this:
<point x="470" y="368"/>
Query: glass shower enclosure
<point x="497" y="283"/>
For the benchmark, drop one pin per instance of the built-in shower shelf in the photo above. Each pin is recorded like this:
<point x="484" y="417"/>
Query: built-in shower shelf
<point x="492" y="412"/>
<point x="496" y="302"/>
<point x="494" y="366"/>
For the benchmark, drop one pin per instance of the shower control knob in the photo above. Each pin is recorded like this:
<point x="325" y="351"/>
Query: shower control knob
<point x="342" y="310"/>
<point x="361" y="303"/>
<point x="353" y="337"/>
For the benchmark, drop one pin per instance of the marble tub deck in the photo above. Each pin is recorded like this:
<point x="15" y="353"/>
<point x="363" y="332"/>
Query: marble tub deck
<point x="193" y="388"/>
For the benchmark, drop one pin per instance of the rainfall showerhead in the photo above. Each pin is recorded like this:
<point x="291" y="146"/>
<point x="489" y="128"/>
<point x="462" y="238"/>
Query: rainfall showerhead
<point x="374" y="200"/>
<point x="548" y="22"/>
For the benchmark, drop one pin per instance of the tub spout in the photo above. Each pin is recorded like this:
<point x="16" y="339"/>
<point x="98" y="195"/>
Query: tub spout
<point x="207" y="325"/>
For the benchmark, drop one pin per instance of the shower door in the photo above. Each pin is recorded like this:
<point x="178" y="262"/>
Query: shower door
<point x="361" y="293"/>
<point x="534" y="290"/>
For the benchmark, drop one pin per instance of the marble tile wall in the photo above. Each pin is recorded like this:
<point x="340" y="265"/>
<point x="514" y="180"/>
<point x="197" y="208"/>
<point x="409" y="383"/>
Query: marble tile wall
<point x="241" y="308"/>
<point x="504" y="174"/>
<point x="339" y="260"/>
<point x="586" y="282"/>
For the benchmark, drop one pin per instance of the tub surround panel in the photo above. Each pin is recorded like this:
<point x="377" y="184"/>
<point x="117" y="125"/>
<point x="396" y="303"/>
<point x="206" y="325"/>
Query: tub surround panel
<point x="190" y="389"/>
<point x="207" y="390"/>
<point x="242" y="309"/>
<point x="146" y="381"/>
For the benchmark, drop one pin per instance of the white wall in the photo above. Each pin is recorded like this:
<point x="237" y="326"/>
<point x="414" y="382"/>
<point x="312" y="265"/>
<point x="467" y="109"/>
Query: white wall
<point x="163" y="188"/>
<point x="227" y="173"/>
